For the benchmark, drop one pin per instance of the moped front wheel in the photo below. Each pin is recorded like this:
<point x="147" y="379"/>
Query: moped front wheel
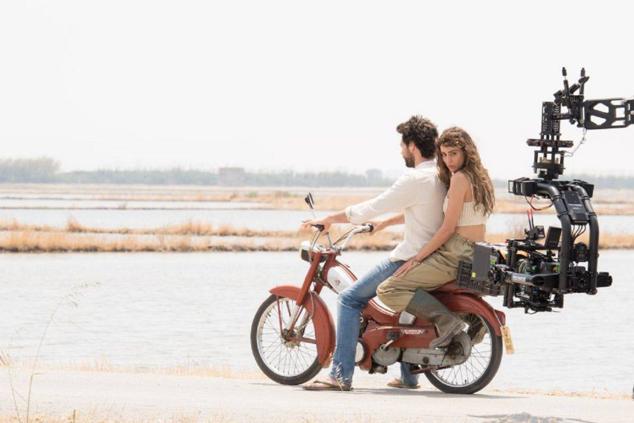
<point x="481" y="366"/>
<point x="287" y="355"/>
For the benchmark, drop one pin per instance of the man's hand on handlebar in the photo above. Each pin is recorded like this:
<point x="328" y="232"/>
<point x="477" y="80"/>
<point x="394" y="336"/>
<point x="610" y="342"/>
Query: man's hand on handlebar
<point x="325" y="222"/>
<point x="317" y="223"/>
<point x="377" y="225"/>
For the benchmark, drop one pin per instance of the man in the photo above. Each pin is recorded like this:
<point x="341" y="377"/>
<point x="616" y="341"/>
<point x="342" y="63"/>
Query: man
<point x="418" y="196"/>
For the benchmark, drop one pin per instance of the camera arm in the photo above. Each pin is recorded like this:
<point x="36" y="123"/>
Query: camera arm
<point x="569" y="104"/>
<point x="593" y="223"/>
<point x="607" y="113"/>
<point x="552" y="192"/>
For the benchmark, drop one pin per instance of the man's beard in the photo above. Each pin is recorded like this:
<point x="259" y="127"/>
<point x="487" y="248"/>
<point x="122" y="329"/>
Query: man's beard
<point x="409" y="161"/>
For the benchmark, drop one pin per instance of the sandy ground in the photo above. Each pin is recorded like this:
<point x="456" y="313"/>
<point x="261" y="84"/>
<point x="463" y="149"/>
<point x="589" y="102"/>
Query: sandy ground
<point x="98" y="396"/>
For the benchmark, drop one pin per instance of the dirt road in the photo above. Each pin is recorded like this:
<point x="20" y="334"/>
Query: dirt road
<point x="120" y="396"/>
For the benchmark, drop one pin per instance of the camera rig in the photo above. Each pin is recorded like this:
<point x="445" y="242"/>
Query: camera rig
<point x="536" y="275"/>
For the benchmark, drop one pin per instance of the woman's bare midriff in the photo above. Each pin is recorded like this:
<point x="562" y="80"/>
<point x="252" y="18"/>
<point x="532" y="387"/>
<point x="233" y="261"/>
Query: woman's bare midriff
<point x="473" y="233"/>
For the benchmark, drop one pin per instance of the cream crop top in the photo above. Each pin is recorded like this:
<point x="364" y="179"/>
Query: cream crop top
<point x="470" y="215"/>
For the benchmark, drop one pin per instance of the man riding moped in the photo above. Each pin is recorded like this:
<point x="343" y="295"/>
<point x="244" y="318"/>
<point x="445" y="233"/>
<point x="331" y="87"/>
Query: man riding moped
<point x="418" y="198"/>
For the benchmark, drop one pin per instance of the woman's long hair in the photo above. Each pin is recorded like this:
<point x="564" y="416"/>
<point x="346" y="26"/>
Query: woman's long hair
<point x="483" y="193"/>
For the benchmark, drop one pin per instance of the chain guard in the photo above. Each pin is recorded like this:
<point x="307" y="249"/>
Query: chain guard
<point x="457" y="352"/>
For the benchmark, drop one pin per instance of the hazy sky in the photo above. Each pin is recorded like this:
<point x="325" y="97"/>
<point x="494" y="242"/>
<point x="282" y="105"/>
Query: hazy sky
<point x="301" y="85"/>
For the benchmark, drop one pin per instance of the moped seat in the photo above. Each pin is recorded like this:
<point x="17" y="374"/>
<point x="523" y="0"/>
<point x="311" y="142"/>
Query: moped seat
<point x="452" y="287"/>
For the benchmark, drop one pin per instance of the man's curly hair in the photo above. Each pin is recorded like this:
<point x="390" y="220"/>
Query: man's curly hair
<point x="422" y="132"/>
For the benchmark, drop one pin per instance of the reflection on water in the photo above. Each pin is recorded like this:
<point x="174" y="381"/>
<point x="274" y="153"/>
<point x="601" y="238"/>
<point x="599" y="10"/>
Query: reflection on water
<point x="163" y="310"/>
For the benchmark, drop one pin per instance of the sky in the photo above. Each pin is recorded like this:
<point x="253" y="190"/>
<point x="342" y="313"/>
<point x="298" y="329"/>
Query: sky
<point x="304" y="86"/>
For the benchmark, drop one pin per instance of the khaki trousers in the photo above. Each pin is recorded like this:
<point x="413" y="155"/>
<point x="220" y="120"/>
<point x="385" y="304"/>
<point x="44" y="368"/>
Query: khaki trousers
<point x="436" y="270"/>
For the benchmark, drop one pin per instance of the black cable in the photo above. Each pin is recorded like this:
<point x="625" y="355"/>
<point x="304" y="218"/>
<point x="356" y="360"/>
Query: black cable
<point x="530" y="203"/>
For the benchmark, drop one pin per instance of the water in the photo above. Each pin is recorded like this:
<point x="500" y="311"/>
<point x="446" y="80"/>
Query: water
<point x="151" y="310"/>
<point x="144" y="215"/>
<point x="154" y="218"/>
<point x="84" y="204"/>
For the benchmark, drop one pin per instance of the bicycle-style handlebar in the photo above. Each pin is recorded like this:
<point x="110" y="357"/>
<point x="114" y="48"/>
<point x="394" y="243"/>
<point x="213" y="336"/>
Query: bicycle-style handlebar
<point x="358" y="229"/>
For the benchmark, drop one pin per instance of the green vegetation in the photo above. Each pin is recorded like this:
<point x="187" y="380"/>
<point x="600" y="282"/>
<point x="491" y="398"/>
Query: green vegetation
<point x="42" y="169"/>
<point x="47" y="170"/>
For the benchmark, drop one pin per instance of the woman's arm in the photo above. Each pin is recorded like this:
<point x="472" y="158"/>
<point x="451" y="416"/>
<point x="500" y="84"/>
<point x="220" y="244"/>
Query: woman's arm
<point x="458" y="188"/>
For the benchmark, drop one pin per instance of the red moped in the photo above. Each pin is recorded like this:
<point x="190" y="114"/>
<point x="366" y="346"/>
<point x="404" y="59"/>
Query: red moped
<point x="293" y="334"/>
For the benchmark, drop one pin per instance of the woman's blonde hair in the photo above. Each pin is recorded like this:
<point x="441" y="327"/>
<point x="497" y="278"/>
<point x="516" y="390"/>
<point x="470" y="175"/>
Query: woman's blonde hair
<point x="483" y="193"/>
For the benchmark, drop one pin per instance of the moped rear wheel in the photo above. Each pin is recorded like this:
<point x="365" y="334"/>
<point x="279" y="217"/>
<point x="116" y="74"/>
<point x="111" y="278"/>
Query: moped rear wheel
<point x="481" y="366"/>
<point x="287" y="357"/>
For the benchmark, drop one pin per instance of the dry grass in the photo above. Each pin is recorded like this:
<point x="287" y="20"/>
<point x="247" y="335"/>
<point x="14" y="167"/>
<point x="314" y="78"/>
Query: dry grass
<point x="202" y="236"/>
<point x="110" y="416"/>
<point x="94" y="416"/>
<point x="50" y="242"/>
<point x="105" y="366"/>
<point x="189" y="227"/>
<point x="40" y="241"/>
<point x="21" y="242"/>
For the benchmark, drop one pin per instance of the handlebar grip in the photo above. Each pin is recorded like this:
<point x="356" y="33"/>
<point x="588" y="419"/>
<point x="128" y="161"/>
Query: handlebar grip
<point x="371" y="226"/>
<point x="320" y="228"/>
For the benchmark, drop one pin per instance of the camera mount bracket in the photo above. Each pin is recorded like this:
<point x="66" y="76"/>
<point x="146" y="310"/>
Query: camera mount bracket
<point x="534" y="277"/>
<point x="609" y="113"/>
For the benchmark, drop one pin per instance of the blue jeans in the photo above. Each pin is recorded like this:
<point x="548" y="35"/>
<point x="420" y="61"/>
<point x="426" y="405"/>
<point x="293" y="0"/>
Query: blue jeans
<point x="349" y="306"/>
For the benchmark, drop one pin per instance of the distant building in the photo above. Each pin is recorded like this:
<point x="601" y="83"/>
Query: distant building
<point x="374" y="176"/>
<point x="231" y="176"/>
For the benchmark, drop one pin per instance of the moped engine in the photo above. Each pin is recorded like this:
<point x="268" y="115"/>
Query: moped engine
<point x="456" y="353"/>
<point x="386" y="356"/>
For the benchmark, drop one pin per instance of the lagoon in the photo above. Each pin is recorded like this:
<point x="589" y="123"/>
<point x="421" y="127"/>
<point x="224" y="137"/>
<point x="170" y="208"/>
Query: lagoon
<point x="154" y="310"/>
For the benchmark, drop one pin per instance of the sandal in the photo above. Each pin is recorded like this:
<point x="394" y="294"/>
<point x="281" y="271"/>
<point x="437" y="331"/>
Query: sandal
<point x="397" y="383"/>
<point x="322" y="385"/>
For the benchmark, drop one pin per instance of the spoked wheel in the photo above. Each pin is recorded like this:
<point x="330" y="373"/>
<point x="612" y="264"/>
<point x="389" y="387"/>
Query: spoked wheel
<point x="287" y="356"/>
<point x="481" y="366"/>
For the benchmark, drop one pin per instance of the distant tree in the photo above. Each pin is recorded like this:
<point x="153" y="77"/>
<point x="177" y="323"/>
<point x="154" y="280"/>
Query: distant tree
<point x="42" y="169"/>
<point x="47" y="170"/>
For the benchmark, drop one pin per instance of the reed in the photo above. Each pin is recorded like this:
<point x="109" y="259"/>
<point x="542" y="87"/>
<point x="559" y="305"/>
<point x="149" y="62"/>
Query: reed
<point x="189" y="227"/>
<point x="40" y="241"/>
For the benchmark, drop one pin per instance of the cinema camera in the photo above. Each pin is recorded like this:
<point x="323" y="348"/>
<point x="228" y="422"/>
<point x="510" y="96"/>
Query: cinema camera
<point x="536" y="275"/>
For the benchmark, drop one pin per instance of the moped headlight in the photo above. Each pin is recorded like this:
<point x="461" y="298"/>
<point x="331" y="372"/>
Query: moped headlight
<point x="304" y="249"/>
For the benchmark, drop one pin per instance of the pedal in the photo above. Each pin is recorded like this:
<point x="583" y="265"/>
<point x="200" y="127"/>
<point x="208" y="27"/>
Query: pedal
<point x="393" y="337"/>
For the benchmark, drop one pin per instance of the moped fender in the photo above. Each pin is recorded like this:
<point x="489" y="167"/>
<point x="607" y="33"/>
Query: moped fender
<point x="464" y="303"/>
<point x="322" y="320"/>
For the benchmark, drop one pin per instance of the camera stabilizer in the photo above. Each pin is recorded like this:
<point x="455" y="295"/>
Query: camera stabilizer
<point x="535" y="275"/>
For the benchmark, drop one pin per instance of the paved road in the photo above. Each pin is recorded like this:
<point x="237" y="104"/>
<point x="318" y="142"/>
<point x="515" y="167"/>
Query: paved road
<point x="153" y="397"/>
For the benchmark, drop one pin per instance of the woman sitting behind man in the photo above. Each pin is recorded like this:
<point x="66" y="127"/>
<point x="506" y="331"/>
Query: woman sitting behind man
<point x="470" y="200"/>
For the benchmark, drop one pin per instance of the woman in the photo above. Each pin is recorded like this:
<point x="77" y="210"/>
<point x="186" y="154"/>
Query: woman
<point x="470" y="200"/>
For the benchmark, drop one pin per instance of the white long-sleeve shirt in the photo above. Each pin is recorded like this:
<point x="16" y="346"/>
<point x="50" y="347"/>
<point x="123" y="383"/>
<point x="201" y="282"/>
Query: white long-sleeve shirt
<point x="419" y="195"/>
